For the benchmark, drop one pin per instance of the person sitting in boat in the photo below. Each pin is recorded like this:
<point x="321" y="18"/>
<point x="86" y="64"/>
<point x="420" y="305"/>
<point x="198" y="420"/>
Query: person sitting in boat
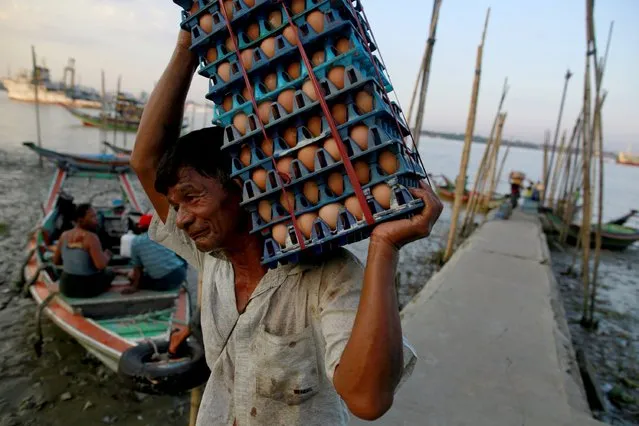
<point x="155" y="267"/>
<point x="84" y="263"/>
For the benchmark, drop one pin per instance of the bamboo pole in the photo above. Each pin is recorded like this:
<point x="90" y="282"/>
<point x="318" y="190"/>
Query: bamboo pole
<point x="103" y="131"/>
<point x="36" y="83"/>
<point x="493" y="181"/>
<point x="196" y="394"/>
<point x="428" y="57"/>
<point x="503" y="162"/>
<point x="556" y="171"/>
<point x="418" y="81"/>
<point x="542" y="196"/>
<point x="115" y="112"/>
<point x="468" y="139"/>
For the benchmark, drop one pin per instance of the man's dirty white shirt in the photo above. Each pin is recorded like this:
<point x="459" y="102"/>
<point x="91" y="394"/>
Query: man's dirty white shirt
<point x="277" y="367"/>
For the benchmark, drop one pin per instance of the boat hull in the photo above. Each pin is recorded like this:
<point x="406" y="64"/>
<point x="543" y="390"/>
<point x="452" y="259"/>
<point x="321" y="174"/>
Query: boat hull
<point x="613" y="237"/>
<point x="25" y="92"/>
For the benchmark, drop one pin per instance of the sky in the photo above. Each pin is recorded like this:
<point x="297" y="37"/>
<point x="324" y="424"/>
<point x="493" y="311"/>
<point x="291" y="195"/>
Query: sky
<point x="531" y="43"/>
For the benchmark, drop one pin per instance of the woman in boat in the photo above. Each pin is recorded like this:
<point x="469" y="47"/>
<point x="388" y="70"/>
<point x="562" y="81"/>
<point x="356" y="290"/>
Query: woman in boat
<point x="84" y="263"/>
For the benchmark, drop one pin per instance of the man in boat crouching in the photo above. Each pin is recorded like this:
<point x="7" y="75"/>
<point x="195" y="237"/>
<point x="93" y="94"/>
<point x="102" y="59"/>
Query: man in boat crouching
<point x="295" y="345"/>
<point x="155" y="267"/>
<point x="84" y="263"/>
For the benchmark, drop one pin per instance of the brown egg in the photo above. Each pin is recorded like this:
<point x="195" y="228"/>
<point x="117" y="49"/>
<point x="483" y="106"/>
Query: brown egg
<point x="228" y="5"/>
<point x="298" y="6"/>
<point x="194" y="8"/>
<point x="339" y="113"/>
<point x="343" y="45"/>
<point x="265" y="211"/>
<point x="364" y="102"/>
<point x="329" y="214"/>
<point x="264" y="111"/>
<point x="253" y="31"/>
<point x="245" y="155"/>
<point x="275" y="19"/>
<point x="246" y="93"/>
<point x="363" y="172"/>
<point x="286" y="99"/>
<point x="309" y="89"/>
<point x="247" y="59"/>
<point x="294" y="70"/>
<point x="315" y="125"/>
<point x="330" y="145"/>
<point x="259" y="177"/>
<point x="336" y="76"/>
<point x="271" y="82"/>
<point x="382" y="194"/>
<point x="268" y="47"/>
<point x="316" y="21"/>
<point x="318" y="58"/>
<point x="227" y="104"/>
<point x="287" y="200"/>
<point x="354" y="207"/>
<point x="290" y="136"/>
<point x="359" y="134"/>
<point x="311" y="192"/>
<point x="240" y="121"/>
<point x="388" y="162"/>
<point x="290" y="35"/>
<point x="206" y="23"/>
<point x="267" y="147"/>
<point x="211" y="55"/>
<point x="284" y="165"/>
<point x="249" y="3"/>
<point x="307" y="156"/>
<point x="230" y="47"/>
<point x="224" y="71"/>
<point x="336" y="183"/>
<point x="305" y="223"/>
<point x="280" y="233"/>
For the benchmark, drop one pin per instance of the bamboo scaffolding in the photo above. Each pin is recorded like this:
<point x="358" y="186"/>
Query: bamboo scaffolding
<point x="36" y="83"/>
<point x="468" y="139"/>
<point x="493" y="165"/>
<point x="556" y="171"/>
<point x="503" y="162"/>
<point x="564" y="174"/>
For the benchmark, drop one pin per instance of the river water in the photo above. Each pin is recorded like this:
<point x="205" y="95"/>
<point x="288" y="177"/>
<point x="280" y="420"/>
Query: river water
<point x="34" y="390"/>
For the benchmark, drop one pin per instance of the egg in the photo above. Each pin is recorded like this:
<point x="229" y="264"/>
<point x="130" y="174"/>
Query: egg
<point x="339" y="113"/>
<point x="253" y="31"/>
<point x="245" y="155"/>
<point x="316" y="21"/>
<point x="359" y="134"/>
<point x="264" y="111"/>
<point x="330" y="145"/>
<point x="382" y="194"/>
<point x="246" y="93"/>
<point x="287" y="200"/>
<point x="336" y="183"/>
<point x="206" y="23"/>
<point x="309" y="90"/>
<point x="284" y="165"/>
<point x="318" y="58"/>
<point x="270" y="81"/>
<point x="388" y="162"/>
<point x="307" y="156"/>
<point x="264" y="210"/>
<point x="249" y="3"/>
<point x="240" y="121"/>
<point x="228" y="5"/>
<point x="259" y="177"/>
<point x="227" y="104"/>
<point x="336" y="76"/>
<point x="305" y="223"/>
<point x="280" y="233"/>
<point x="311" y="191"/>
<point x="294" y="70"/>
<point x="329" y="214"/>
<point x="267" y="147"/>
<point x="224" y="71"/>
<point x="343" y="45"/>
<point x="268" y="47"/>
<point x="247" y="59"/>
<point x="230" y="47"/>
<point x="354" y="207"/>
<point x="275" y="19"/>
<point x="298" y="6"/>
<point x="286" y="99"/>
<point x="290" y="136"/>
<point x="315" y="125"/>
<point x="290" y="35"/>
<point x="362" y="171"/>
<point x="211" y="55"/>
<point x="364" y="102"/>
<point x="194" y="8"/>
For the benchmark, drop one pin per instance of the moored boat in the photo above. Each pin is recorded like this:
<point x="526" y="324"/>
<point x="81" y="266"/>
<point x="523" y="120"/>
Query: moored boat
<point x="446" y="191"/>
<point x="91" y="162"/>
<point x="117" y="149"/>
<point x="628" y="158"/>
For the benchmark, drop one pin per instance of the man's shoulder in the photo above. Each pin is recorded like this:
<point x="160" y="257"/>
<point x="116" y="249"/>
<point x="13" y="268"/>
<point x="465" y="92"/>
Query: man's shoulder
<point x="332" y="260"/>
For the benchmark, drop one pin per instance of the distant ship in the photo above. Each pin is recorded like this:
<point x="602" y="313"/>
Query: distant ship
<point x="628" y="158"/>
<point x="21" y="89"/>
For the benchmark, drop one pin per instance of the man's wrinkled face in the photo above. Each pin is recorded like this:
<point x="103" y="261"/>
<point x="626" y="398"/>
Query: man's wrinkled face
<point x="206" y="211"/>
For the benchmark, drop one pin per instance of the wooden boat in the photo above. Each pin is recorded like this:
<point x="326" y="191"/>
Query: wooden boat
<point x="86" y="162"/>
<point x="109" y="122"/>
<point x="117" y="149"/>
<point x="446" y="191"/>
<point x="613" y="235"/>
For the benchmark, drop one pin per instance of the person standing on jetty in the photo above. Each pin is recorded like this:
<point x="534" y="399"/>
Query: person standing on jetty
<point x="294" y="345"/>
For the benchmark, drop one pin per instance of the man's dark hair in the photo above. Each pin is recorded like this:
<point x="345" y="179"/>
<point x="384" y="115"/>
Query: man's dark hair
<point x="82" y="210"/>
<point x="200" y="150"/>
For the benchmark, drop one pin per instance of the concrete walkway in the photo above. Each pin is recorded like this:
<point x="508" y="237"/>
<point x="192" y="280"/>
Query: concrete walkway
<point x="491" y="338"/>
